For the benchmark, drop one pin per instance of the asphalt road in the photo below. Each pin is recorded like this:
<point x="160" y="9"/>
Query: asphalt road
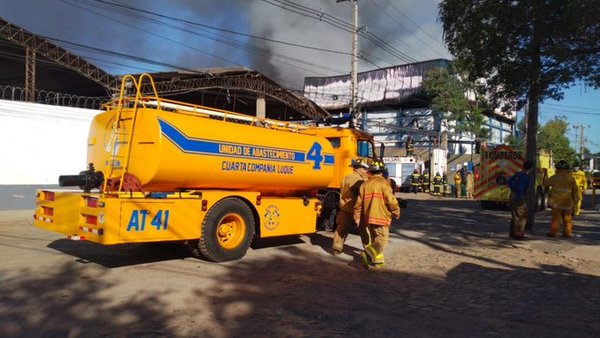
<point x="450" y="271"/>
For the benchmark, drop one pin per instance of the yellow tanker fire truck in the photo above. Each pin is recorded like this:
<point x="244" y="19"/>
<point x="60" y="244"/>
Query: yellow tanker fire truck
<point x="161" y="170"/>
<point x="498" y="164"/>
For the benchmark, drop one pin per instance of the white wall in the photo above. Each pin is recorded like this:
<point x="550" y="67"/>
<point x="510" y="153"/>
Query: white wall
<point x="40" y="142"/>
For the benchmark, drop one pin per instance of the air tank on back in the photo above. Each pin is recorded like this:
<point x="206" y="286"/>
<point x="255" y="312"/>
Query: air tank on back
<point x="195" y="148"/>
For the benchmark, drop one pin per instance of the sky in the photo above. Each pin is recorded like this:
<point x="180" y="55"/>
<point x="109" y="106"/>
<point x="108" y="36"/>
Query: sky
<point x="285" y="40"/>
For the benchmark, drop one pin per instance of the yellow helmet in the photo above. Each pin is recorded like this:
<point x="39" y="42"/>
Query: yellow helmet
<point x="377" y="166"/>
<point x="359" y="163"/>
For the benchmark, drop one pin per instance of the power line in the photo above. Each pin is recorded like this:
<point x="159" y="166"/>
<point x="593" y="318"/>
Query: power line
<point x="230" y="42"/>
<point x="437" y="41"/>
<point x="558" y="110"/>
<point x="393" y="18"/>
<point x="574" y="107"/>
<point x="338" y="23"/>
<point x="286" y="43"/>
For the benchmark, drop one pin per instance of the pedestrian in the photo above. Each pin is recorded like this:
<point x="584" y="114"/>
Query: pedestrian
<point x="348" y="193"/>
<point x="518" y="184"/>
<point x="470" y="184"/>
<point x="564" y="195"/>
<point x="457" y="183"/>
<point x="415" y="181"/>
<point x="437" y="184"/>
<point x="375" y="207"/>
<point x="581" y="181"/>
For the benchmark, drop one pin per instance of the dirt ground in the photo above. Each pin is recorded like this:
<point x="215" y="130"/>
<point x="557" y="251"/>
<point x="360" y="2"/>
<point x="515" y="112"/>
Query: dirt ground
<point x="451" y="272"/>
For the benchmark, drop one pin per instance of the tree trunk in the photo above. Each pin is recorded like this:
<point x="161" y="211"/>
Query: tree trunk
<point x="532" y="115"/>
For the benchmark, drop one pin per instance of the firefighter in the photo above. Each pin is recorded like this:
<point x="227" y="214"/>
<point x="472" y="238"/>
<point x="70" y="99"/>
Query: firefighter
<point x="445" y="183"/>
<point x="457" y="183"/>
<point x="581" y="180"/>
<point x="409" y="146"/>
<point x="437" y="184"/>
<point x="348" y="193"/>
<point x="470" y="185"/>
<point x="564" y="195"/>
<point x="415" y="181"/>
<point x="375" y="207"/>
<point x="425" y="181"/>
<point x="518" y="184"/>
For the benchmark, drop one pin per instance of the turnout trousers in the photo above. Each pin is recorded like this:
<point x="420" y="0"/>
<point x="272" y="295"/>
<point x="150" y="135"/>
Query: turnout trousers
<point x="557" y="216"/>
<point x="518" y="219"/>
<point x="345" y="223"/>
<point x="375" y="239"/>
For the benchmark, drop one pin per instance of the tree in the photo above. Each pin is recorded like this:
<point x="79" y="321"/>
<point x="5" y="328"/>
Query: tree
<point x="528" y="51"/>
<point x="552" y="136"/>
<point x="516" y="141"/>
<point x="449" y="97"/>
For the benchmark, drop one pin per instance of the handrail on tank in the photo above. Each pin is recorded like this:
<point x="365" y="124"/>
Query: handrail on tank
<point x="138" y="99"/>
<point x="116" y="125"/>
<point x="157" y="102"/>
<point x="153" y="100"/>
<point x="120" y="106"/>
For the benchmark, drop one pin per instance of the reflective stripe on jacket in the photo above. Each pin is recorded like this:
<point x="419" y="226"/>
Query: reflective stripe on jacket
<point x="415" y="179"/>
<point x="376" y="203"/>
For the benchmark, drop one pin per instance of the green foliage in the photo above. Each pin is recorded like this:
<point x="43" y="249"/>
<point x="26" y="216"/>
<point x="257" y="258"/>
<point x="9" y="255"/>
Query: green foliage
<point x="552" y="136"/>
<point x="518" y="140"/>
<point x="518" y="44"/>
<point x="448" y="95"/>
<point x="514" y="141"/>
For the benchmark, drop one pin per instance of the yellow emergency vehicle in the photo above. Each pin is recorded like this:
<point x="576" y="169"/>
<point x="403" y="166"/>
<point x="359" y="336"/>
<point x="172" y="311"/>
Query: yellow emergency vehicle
<point x="498" y="164"/>
<point x="161" y="170"/>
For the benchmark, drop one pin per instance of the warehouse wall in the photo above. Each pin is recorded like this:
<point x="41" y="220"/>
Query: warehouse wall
<point x="37" y="144"/>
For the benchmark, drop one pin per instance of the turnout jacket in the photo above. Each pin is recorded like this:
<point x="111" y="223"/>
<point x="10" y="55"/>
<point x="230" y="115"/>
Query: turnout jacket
<point x="349" y="190"/>
<point x="564" y="193"/>
<point x="581" y="180"/>
<point x="376" y="203"/>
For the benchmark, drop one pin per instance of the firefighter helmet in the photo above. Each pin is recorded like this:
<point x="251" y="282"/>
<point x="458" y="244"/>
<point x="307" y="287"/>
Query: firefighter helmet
<point x="562" y="165"/>
<point x="377" y="166"/>
<point x="359" y="163"/>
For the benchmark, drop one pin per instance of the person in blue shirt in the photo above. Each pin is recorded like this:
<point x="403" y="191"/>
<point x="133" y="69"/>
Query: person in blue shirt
<point x="519" y="183"/>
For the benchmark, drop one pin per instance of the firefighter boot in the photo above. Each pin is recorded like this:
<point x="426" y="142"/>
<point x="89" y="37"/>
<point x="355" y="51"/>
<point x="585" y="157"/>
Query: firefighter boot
<point x="377" y="259"/>
<point x="365" y="259"/>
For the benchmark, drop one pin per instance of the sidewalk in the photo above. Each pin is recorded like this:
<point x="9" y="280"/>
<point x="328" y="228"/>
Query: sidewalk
<point x="583" y="245"/>
<point x="467" y="216"/>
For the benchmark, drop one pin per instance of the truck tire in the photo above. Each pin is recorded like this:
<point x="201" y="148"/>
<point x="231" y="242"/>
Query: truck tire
<point x="329" y="201"/>
<point x="227" y="231"/>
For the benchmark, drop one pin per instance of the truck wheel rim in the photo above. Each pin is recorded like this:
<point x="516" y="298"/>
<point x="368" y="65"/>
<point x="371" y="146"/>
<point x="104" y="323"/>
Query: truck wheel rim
<point x="230" y="231"/>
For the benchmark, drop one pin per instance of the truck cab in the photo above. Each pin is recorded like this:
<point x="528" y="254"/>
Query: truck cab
<point x="347" y="144"/>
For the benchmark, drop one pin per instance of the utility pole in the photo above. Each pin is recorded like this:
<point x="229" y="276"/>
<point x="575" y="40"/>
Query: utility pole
<point x="354" y="64"/>
<point x="581" y="127"/>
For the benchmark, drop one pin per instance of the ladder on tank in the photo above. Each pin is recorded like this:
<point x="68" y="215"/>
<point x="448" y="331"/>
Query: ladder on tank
<point x="121" y="139"/>
<point x="123" y="127"/>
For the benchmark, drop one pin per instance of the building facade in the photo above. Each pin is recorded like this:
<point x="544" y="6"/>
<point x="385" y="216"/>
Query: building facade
<point x="394" y="107"/>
